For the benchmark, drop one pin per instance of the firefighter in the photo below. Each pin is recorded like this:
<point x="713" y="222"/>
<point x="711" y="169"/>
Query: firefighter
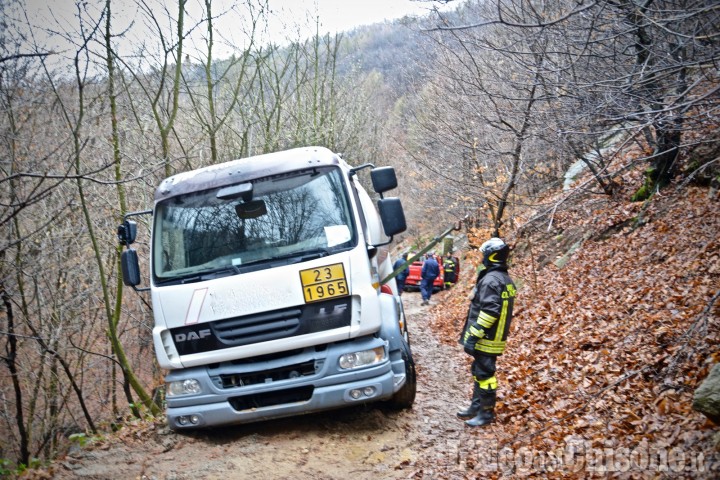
<point x="486" y="329"/>
<point x="449" y="266"/>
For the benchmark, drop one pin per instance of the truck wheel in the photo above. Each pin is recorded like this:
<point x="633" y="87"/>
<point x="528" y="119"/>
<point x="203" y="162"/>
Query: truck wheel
<point x="405" y="397"/>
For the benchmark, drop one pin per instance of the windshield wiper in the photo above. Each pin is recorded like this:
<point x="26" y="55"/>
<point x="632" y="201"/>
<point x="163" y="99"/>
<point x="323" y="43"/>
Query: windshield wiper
<point x="226" y="269"/>
<point x="210" y="274"/>
<point x="301" y="255"/>
<point x="188" y="279"/>
<point x="316" y="253"/>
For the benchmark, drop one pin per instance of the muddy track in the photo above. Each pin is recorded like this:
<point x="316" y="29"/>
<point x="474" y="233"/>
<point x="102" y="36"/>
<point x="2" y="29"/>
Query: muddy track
<point x="367" y="442"/>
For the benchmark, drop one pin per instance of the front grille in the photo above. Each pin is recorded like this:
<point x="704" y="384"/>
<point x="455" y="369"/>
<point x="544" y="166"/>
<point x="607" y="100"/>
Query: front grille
<point x="252" y="378"/>
<point x="267" y="399"/>
<point x="263" y="327"/>
<point x="258" y="328"/>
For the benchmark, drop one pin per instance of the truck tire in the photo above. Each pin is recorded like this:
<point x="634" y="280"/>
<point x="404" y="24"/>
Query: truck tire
<point x="403" y="321"/>
<point x="405" y="397"/>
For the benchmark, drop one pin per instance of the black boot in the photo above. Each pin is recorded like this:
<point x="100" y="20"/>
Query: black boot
<point x="486" y="411"/>
<point x="484" y="417"/>
<point x="474" y="407"/>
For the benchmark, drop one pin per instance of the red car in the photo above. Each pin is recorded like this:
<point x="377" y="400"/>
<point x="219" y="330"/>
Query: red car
<point x="413" y="279"/>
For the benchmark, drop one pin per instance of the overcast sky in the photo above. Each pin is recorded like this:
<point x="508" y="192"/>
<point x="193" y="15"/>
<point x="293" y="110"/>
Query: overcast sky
<point x="342" y="15"/>
<point x="297" y="17"/>
<point x="289" y="19"/>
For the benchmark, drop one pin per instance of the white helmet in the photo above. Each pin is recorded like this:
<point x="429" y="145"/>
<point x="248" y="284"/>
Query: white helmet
<point x="494" y="251"/>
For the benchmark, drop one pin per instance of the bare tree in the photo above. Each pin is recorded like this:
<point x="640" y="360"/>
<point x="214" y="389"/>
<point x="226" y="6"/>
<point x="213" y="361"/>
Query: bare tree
<point x="220" y="90"/>
<point x="161" y="86"/>
<point x="642" y="67"/>
<point x="483" y="125"/>
<point x="113" y="312"/>
<point x="44" y="370"/>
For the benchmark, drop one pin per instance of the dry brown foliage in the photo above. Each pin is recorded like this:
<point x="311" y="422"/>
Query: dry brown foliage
<point x="616" y="322"/>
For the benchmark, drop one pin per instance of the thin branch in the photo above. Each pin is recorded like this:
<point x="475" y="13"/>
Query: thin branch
<point x="18" y="56"/>
<point x="501" y="21"/>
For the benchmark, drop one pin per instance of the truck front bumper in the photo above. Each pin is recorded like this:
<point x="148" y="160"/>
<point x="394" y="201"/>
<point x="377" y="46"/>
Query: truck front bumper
<point x="327" y="389"/>
<point x="323" y="398"/>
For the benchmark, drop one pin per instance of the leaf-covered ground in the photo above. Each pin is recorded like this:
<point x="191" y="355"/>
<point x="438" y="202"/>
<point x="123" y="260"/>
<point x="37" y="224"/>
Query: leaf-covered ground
<point x="616" y="324"/>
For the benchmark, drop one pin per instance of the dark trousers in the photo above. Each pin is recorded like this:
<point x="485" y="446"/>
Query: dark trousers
<point x="426" y="288"/>
<point x="483" y="371"/>
<point x="484" y="391"/>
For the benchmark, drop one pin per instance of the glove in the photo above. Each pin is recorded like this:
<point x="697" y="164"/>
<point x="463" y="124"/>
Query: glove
<point x="474" y="333"/>
<point x="469" y="342"/>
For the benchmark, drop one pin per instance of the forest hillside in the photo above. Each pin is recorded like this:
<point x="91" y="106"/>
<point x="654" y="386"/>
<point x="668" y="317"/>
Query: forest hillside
<point x="616" y="325"/>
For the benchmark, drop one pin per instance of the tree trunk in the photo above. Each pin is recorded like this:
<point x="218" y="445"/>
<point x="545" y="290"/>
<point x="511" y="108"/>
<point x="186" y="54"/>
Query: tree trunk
<point x="9" y="357"/>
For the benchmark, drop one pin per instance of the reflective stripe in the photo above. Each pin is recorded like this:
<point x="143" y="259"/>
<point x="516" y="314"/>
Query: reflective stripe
<point x="490" y="346"/>
<point x="501" y="324"/>
<point x="485" y="319"/>
<point x="488" y="383"/>
<point x="475" y="332"/>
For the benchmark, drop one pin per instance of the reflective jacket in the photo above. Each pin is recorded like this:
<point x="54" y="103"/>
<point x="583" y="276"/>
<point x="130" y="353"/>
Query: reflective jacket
<point x="491" y="309"/>
<point x="449" y="265"/>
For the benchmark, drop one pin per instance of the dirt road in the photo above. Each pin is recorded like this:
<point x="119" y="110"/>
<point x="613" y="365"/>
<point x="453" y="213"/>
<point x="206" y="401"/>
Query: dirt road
<point x="361" y="443"/>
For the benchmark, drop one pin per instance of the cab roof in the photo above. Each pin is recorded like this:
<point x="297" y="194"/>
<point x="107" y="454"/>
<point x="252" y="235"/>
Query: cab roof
<point x="246" y="169"/>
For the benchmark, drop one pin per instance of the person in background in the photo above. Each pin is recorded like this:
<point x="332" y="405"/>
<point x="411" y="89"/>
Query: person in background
<point x="402" y="276"/>
<point x="449" y="266"/>
<point x="486" y="329"/>
<point x="428" y="274"/>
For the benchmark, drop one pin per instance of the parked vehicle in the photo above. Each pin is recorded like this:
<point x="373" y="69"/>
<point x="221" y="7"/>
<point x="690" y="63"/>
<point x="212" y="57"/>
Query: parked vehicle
<point x="413" y="280"/>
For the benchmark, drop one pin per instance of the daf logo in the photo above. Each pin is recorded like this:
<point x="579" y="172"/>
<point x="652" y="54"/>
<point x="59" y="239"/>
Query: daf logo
<point x="191" y="336"/>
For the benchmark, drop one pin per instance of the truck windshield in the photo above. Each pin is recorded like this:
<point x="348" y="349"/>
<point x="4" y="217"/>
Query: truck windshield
<point x="291" y="216"/>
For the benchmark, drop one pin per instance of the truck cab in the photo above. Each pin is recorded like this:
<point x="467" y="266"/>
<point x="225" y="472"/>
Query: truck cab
<point x="265" y="276"/>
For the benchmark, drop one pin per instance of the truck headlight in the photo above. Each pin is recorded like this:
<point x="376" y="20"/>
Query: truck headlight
<point x="362" y="359"/>
<point x="188" y="386"/>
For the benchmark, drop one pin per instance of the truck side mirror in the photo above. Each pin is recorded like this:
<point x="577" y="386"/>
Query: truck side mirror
<point x="127" y="232"/>
<point x="383" y="179"/>
<point x="392" y="216"/>
<point x="130" y="267"/>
